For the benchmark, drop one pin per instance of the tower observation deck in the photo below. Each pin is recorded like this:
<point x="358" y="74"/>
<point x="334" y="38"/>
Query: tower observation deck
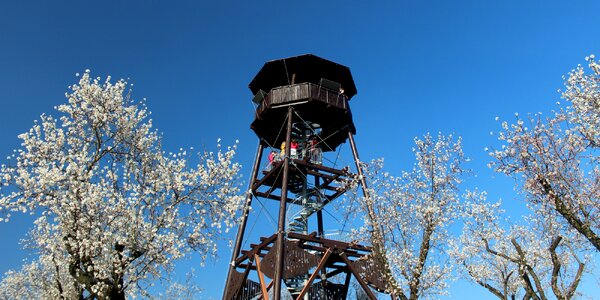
<point x="302" y="112"/>
<point x="318" y="89"/>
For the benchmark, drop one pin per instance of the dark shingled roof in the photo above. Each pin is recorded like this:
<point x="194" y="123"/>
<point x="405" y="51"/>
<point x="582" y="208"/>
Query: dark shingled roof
<point x="308" y="68"/>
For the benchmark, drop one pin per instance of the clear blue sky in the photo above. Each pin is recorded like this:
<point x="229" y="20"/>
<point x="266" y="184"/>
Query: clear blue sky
<point x="419" y="66"/>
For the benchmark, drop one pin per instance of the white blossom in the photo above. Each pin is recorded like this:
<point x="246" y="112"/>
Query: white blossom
<point x="114" y="212"/>
<point x="555" y="159"/>
<point x="528" y="260"/>
<point x="406" y="218"/>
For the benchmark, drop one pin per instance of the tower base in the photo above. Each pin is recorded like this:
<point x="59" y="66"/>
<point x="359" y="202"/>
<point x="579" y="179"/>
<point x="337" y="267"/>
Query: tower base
<point x="327" y="264"/>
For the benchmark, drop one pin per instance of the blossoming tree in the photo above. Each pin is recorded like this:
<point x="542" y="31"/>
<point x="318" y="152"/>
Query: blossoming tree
<point x="555" y="159"/>
<point x="529" y="260"/>
<point x="114" y="211"/>
<point x="407" y="217"/>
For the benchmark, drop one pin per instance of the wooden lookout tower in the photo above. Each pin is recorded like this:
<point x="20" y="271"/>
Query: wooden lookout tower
<point x="303" y="110"/>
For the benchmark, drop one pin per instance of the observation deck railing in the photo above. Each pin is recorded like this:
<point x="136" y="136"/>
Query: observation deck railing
<point x="302" y="92"/>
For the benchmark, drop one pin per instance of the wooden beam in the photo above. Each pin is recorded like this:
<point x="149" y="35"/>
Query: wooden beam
<point x="320" y="167"/>
<point x="314" y="274"/>
<point x="336" y="272"/>
<point x="328" y="187"/>
<point x="261" y="277"/>
<point x="246" y="266"/>
<point x="360" y="280"/>
<point x="332" y="197"/>
<point x="327" y="242"/>
<point x="346" y="285"/>
<point x="269" y="174"/>
<point x="322" y="175"/>
<point x="348" y="252"/>
<point x="267" y="195"/>
<point x="250" y="253"/>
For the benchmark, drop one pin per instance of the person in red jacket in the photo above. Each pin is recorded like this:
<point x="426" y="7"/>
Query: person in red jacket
<point x="271" y="157"/>
<point x="294" y="149"/>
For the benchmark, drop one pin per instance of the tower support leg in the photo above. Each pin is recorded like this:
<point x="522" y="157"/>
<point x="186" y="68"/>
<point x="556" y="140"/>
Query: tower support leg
<point x="320" y="231"/>
<point x="282" y="207"/>
<point x="242" y="228"/>
<point x="361" y="176"/>
<point x="378" y="241"/>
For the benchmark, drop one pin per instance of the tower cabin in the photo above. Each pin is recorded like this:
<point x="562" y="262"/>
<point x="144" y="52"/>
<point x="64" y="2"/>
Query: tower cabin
<point x="318" y="89"/>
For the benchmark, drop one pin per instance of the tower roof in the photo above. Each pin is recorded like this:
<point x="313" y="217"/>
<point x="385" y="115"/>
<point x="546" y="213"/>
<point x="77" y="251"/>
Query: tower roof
<point x="307" y="68"/>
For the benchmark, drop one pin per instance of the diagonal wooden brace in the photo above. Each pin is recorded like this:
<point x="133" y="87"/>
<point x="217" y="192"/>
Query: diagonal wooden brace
<point x="361" y="281"/>
<point x="261" y="276"/>
<point x="315" y="274"/>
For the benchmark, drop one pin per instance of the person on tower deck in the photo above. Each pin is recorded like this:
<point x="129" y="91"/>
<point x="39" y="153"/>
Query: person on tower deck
<point x="282" y="153"/>
<point x="294" y="149"/>
<point x="271" y="157"/>
<point x="315" y="151"/>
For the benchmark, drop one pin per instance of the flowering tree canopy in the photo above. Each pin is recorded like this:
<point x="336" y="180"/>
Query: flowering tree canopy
<point x="555" y="159"/>
<point x="406" y="217"/>
<point x="114" y="211"/>
<point x="531" y="259"/>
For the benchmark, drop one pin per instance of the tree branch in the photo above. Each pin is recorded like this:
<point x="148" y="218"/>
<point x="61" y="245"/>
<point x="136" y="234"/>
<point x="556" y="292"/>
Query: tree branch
<point x="561" y="207"/>
<point x="528" y="269"/>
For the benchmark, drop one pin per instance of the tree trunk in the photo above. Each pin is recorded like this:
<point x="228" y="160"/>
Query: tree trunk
<point x="115" y="293"/>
